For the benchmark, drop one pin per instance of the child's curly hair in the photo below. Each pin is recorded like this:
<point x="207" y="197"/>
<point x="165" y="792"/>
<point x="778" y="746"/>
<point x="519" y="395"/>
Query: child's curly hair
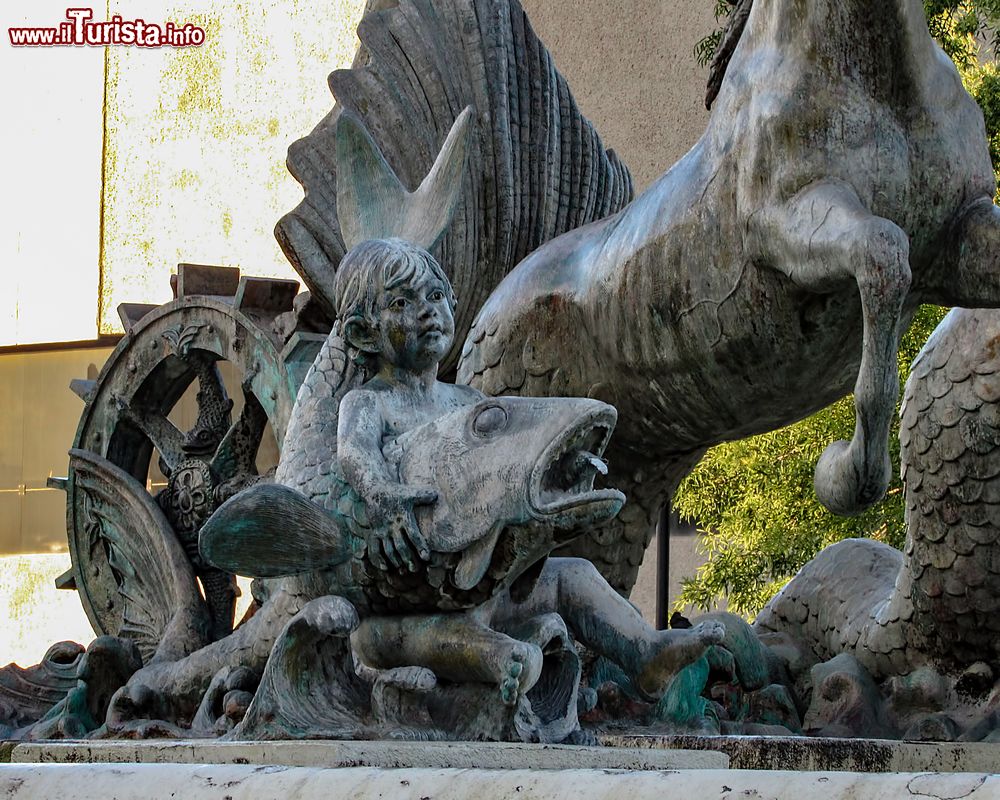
<point x="367" y="272"/>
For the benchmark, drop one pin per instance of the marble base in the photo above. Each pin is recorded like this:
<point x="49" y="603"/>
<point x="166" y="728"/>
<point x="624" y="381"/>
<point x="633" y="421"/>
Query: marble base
<point x="247" y="782"/>
<point x="382" y="754"/>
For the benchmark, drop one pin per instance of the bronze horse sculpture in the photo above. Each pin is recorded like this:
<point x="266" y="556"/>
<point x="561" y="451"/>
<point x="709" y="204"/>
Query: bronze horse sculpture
<point x="843" y="180"/>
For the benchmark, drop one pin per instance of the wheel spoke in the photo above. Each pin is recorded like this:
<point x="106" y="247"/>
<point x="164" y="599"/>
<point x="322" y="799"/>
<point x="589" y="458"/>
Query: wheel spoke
<point x="160" y="431"/>
<point x="142" y="406"/>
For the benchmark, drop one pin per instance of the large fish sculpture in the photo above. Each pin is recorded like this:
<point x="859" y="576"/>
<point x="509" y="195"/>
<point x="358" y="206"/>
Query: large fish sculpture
<point x="514" y="477"/>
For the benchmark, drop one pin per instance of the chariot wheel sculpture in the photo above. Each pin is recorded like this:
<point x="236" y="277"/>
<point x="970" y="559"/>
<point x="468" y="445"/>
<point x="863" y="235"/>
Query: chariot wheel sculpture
<point x="216" y="317"/>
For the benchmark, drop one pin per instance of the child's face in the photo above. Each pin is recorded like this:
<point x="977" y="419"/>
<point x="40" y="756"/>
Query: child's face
<point x="416" y="325"/>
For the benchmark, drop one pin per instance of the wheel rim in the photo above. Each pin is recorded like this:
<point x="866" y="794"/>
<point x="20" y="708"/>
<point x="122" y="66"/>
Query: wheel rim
<point x="125" y="421"/>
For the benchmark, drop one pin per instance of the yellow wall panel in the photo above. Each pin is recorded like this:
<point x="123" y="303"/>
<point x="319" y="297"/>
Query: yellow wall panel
<point x="197" y="137"/>
<point x="51" y="410"/>
<point x="11" y="433"/>
<point x="43" y="521"/>
<point x="37" y="427"/>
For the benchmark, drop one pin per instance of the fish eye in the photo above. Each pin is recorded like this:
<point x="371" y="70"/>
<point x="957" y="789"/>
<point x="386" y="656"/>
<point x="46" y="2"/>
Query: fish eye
<point x="490" y="420"/>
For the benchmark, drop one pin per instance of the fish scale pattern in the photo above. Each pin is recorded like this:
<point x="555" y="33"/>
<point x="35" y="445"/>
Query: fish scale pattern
<point x="309" y="453"/>
<point x="950" y="452"/>
<point x="845" y="600"/>
<point x="938" y="601"/>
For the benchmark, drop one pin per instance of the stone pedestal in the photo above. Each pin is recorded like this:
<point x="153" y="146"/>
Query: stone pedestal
<point x="802" y="753"/>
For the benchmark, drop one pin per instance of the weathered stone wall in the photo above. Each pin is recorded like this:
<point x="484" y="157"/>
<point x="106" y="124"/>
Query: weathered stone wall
<point x="194" y="167"/>
<point x="632" y="68"/>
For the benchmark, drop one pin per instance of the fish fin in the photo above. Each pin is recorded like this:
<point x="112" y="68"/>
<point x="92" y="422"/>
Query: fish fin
<point x="476" y="559"/>
<point x="270" y="530"/>
<point x="162" y="610"/>
<point x="536" y="167"/>
<point x="372" y="202"/>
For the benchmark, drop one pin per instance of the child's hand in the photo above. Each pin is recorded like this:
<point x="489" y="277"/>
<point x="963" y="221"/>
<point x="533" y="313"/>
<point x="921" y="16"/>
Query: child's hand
<point x="394" y="526"/>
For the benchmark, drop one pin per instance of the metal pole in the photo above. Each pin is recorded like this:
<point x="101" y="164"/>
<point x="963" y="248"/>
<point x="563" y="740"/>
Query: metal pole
<point x="663" y="568"/>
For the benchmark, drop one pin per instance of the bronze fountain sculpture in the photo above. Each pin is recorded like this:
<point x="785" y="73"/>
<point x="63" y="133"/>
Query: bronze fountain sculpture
<point x="402" y="547"/>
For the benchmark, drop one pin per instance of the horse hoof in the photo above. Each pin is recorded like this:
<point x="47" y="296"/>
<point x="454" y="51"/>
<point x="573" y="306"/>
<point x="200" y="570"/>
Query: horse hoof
<point x="844" y="486"/>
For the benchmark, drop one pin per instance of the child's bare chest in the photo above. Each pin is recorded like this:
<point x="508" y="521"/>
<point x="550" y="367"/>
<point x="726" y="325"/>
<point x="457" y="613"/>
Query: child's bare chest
<point x="401" y="413"/>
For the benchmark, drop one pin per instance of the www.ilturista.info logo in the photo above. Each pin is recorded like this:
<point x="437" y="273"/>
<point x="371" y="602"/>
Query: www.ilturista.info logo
<point x="79" y="30"/>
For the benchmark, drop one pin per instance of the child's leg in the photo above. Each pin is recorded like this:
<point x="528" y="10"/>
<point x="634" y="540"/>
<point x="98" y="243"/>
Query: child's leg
<point x="607" y="623"/>
<point x="456" y="647"/>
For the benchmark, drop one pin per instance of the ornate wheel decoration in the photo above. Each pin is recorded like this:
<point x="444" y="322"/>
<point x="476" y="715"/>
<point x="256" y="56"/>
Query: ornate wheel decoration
<point x="126" y="418"/>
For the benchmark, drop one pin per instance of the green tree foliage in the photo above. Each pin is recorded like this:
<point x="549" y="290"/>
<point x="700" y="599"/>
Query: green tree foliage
<point x="960" y="26"/>
<point x="754" y="498"/>
<point x="983" y="83"/>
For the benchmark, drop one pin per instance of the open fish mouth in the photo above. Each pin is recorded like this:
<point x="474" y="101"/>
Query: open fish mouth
<point x="562" y="481"/>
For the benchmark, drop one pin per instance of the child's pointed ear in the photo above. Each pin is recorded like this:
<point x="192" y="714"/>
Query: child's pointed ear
<point x="361" y="335"/>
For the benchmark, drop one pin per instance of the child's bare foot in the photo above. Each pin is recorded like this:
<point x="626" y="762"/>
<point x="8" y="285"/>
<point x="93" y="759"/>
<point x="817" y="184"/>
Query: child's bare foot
<point x="522" y="667"/>
<point x="674" y="650"/>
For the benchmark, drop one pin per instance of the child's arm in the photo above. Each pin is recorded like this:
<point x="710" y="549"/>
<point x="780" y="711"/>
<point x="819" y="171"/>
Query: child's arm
<point x="389" y="503"/>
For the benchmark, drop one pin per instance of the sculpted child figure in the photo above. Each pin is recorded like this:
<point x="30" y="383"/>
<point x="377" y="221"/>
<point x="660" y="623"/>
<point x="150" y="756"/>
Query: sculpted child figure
<point x="395" y="307"/>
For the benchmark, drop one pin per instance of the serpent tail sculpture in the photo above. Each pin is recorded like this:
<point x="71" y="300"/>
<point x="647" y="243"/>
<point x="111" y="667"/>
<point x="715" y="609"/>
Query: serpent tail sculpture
<point x="937" y="602"/>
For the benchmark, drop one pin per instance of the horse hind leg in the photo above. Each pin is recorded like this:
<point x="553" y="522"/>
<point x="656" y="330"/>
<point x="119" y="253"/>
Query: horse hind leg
<point x="821" y="238"/>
